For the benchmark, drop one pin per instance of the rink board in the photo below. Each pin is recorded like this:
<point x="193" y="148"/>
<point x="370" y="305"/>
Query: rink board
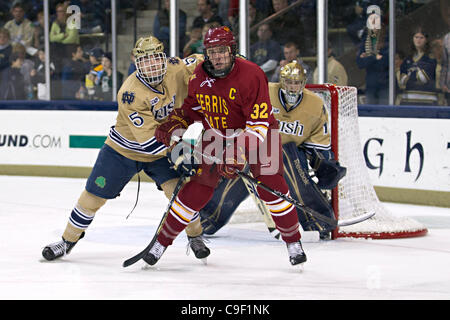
<point x="408" y="158"/>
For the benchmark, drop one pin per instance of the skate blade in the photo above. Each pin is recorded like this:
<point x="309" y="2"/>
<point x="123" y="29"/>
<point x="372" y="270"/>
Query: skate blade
<point x="300" y="267"/>
<point x="204" y="261"/>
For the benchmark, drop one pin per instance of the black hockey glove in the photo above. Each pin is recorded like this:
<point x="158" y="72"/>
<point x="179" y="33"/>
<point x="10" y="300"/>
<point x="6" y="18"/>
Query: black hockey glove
<point x="184" y="164"/>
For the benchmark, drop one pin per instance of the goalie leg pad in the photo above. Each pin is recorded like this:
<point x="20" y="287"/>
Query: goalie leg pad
<point x="304" y="189"/>
<point x="218" y="211"/>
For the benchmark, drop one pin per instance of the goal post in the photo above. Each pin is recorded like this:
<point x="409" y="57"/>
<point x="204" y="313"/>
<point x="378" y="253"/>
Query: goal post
<point x="355" y="194"/>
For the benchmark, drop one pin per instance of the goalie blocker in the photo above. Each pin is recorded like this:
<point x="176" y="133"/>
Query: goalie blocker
<point x="230" y="193"/>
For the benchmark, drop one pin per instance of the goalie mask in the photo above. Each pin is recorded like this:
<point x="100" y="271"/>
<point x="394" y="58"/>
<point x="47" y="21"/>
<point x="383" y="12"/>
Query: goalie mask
<point x="293" y="81"/>
<point x="220" y="51"/>
<point x="150" y="60"/>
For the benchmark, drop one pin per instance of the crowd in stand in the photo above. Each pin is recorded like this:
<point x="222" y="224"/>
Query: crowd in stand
<point x="75" y="72"/>
<point x="85" y="73"/>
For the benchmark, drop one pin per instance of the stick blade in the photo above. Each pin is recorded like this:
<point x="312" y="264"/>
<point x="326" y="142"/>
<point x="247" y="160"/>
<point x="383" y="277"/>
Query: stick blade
<point x="355" y="220"/>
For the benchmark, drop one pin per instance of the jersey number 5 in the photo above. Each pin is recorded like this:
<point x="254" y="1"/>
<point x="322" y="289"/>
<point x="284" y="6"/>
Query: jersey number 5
<point x="260" y="111"/>
<point x="137" y="120"/>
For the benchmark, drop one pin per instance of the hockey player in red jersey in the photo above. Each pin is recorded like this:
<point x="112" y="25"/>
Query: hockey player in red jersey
<point x="230" y="96"/>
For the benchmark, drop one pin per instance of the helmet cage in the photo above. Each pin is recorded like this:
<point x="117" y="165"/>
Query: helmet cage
<point x="152" y="67"/>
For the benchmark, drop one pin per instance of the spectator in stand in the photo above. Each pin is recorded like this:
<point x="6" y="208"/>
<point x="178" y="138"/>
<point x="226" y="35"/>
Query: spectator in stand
<point x="5" y="8"/>
<point x="373" y="56"/>
<point x="26" y="66"/>
<point x="223" y="9"/>
<point x="195" y="44"/>
<point x="161" y="27"/>
<point x="95" y="56"/>
<point x="37" y="76"/>
<point x="436" y="47"/>
<point x="355" y="30"/>
<point x="5" y="54"/>
<point x="38" y="35"/>
<point x="254" y="16"/>
<point x="336" y="71"/>
<point x="104" y="83"/>
<point x="445" y="70"/>
<point x="207" y="15"/>
<point x="132" y="67"/>
<point x="288" y="26"/>
<point x="399" y="58"/>
<point x="20" y="28"/>
<point x="62" y="34"/>
<point x="93" y="15"/>
<point x="291" y="53"/>
<point x="16" y="84"/>
<point x="418" y="71"/>
<point x="73" y="73"/>
<point x="266" y="53"/>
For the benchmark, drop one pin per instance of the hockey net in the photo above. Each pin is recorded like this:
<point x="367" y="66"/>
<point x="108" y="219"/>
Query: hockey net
<point x="355" y="194"/>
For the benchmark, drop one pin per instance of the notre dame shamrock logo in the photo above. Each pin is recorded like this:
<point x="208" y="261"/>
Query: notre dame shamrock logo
<point x="100" y="182"/>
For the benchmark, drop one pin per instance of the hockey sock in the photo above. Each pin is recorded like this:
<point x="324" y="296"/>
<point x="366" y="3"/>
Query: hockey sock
<point x="79" y="221"/>
<point x="283" y="213"/>
<point x="82" y="215"/>
<point x="194" y="228"/>
<point x="192" y="197"/>
<point x="178" y="218"/>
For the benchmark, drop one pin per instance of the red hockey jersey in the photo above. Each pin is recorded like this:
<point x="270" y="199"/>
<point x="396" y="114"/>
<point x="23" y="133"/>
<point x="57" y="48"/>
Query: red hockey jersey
<point x="238" y="101"/>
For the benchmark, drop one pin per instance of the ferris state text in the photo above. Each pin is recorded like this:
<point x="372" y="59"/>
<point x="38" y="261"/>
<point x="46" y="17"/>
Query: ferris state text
<point x="229" y="309"/>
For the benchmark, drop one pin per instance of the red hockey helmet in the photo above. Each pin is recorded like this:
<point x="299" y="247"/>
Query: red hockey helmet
<point x="221" y="36"/>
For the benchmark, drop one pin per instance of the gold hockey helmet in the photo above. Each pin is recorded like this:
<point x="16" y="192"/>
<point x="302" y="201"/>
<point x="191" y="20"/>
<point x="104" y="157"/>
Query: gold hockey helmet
<point x="150" y="60"/>
<point x="292" y="81"/>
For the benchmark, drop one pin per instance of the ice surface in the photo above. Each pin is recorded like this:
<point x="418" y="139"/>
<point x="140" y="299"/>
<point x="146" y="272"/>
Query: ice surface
<point x="245" y="263"/>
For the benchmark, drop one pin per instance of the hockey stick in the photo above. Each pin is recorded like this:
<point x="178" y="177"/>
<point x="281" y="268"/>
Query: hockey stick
<point x="308" y="210"/>
<point x="311" y="236"/>
<point x="267" y="217"/>
<point x="142" y="254"/>
<point x="292" y="201"/>
<point x="333" y="223"/>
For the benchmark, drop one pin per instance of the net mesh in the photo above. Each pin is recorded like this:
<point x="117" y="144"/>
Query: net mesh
<point x="356" y="195"/>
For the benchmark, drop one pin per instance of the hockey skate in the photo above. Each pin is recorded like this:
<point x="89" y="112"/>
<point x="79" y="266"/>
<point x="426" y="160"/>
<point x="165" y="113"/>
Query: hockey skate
<point x="197" y="244"/>
<point x="155" y="253"/>
<point x="58" y="249"/>
<point x="296" y="254"/>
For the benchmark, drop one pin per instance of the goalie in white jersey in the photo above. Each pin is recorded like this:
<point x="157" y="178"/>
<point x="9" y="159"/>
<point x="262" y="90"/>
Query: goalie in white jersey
<point x="144" y="101"/>
<point x="304" y="128"/>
